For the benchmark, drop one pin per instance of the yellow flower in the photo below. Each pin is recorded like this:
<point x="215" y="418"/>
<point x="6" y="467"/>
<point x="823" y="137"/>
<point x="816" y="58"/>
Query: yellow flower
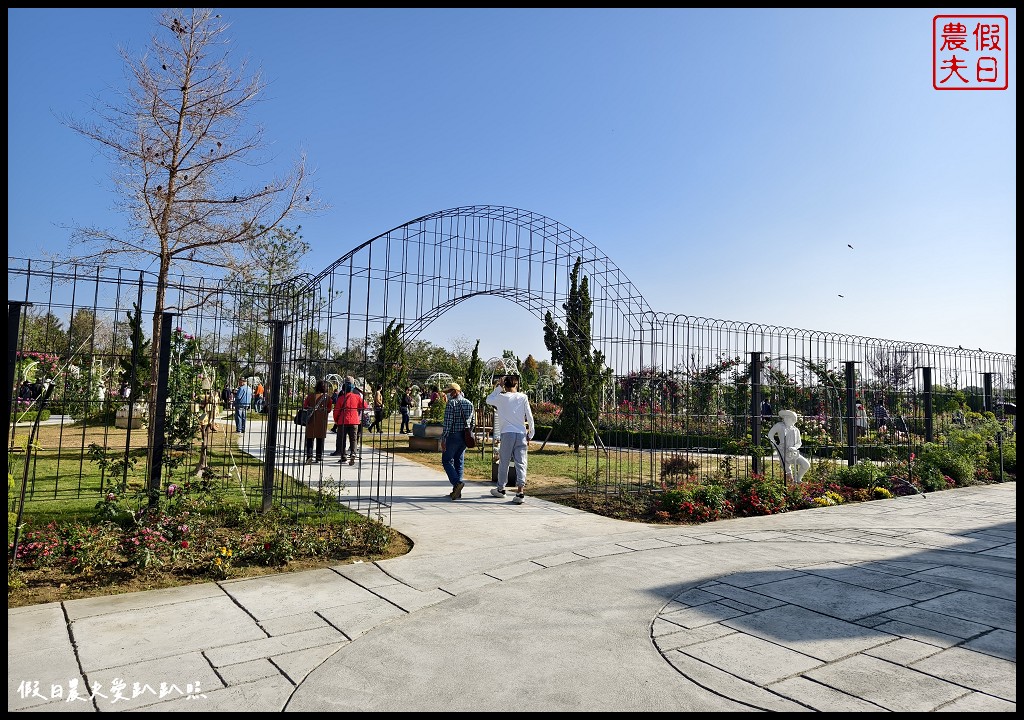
<point x="229" y="553"/>
<point x="216" y="561"/>
<point x="223" y="551"/>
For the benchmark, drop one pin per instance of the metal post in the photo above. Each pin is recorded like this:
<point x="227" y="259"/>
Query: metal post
<point x="929" y="411"/>
<point x="156" y="452"/>
<point x="989" y="407"/>
<point x="270" y="453"/>
<point x="851" y="413"/>
<point x="13" y="332"/>
<point x="755" y="410"/>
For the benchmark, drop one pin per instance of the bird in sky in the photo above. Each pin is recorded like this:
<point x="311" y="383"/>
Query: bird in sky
<point x="849" y="246"/>
<point x="842" y="296"/>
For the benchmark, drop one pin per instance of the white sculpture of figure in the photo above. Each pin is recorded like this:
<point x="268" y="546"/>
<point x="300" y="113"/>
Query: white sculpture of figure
<point x="785" y="436"/>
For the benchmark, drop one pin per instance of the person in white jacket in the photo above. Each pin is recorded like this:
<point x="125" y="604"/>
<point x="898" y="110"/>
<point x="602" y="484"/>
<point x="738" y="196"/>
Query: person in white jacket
<point x="514" y="423"/>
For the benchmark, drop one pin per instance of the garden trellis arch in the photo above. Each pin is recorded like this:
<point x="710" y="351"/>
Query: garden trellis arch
<point x="416" y="272"/>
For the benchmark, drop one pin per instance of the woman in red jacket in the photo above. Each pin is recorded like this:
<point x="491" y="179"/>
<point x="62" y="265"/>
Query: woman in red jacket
<point x="348" y="414"/>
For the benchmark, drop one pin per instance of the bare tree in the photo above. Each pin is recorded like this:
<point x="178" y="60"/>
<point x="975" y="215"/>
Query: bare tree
<point x="181" y="148"/>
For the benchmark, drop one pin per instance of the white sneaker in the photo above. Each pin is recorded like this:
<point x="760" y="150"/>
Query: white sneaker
<point x="497" y="493"/>
<point x="519" y="498"/>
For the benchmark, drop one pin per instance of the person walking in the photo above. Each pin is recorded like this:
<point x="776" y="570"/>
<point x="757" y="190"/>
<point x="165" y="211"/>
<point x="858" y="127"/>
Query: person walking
<point x="243" y="398"/>
<point x="317" y="402"/>
<point x="348" y="412"/>
<point x="861" y="420"/>
<point x="881" y="416"/>
<point x="378" y="411"/>
<point x="227" y="396"/>
<point x="257" y="396"/>
<point x="458" y="415"/>
<point x="514" y="423"/>
<point x="404" y="407"/>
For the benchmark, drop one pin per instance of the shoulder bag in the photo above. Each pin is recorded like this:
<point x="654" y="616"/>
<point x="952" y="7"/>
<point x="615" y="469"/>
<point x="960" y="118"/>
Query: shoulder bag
<point x="467" y="435"/>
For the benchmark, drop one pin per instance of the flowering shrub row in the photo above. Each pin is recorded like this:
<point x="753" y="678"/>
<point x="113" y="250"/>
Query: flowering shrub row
<point x="190" y="536"/>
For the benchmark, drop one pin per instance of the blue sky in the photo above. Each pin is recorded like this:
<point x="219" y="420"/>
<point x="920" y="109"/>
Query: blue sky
<point x="724" y="160"/>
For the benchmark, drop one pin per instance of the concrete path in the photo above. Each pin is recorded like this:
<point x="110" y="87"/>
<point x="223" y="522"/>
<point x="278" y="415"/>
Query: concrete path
<point x="898" y="605"/>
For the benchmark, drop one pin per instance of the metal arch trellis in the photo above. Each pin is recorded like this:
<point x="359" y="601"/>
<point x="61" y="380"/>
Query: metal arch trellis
<point x="416" y="271"/>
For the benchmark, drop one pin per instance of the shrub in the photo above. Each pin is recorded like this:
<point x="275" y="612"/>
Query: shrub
<point x="864" y="475"/>
<point x="679" y="465"/>
<point x="693" y="501"/>
<point x="759" y="495"/>
<point x="960" y="466"/>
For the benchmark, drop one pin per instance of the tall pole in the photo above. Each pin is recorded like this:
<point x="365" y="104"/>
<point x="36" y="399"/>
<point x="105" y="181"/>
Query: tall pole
<point x="851" y="413"/>
<point x="755" y="410"/>
<point x="270" y="454"/>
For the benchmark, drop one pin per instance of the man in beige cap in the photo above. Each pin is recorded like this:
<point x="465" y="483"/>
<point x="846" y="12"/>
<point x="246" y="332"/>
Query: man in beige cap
<point x="458" y="415"/>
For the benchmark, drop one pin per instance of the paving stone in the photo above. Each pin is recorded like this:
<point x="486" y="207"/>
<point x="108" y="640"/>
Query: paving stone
<point x="366" y="575"/>
<point x="978" y="702"/>
<point x="246" y="672"/>
<point x="172" y="629"/>
<point x="751" y="658"/>
<point x="354" y="620"/>
<point x="411" y="599"/>
<point x="470" y="582"/>
<point x="515" y="570"/>
<point x="559" y="559"/>
<point x="747" y="597"/>
<point x="603" y="550"/>
<point x="830" y="597"/>
<point x="996" y="611"/>
<point x="269" y="647"/>
<point x="978" y="581"/>
<point x="820" y="697"/>
<point x="935" y="621"/>
<point x="293" y="623"/>
<point x="729" y="685"/>
<point x="903" y="651"/>
<point x="142" y="683"/>
<point x="921" y="591"/>
<point x="681" y="540"/>
<point x="918" y="633"/>
<point x="891" y="686"/>
<point x="298" y="664"/>
<point x="289" y="594"/>
<point x="693" y="597"/>
<point x="269" y="694"/>
<point x="738" y="605"/>
<point x="651" y="544"/>
<point x="760" y="577"/>
<point x="859" y="576"/>
<point x="700" y="615"/>
<point x="127" y="602"/>
<point x="807" y="632"/>
<point x="974" y="670"/>
<point x="670" y="637"/>
<point x="999" y="643"/>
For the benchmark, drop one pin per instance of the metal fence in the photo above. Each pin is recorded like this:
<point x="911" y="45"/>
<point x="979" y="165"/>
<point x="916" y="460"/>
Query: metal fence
<point x="698" y="387"/>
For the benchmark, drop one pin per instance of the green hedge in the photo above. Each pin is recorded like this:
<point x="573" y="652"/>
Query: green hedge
<point x="30" y="416"/>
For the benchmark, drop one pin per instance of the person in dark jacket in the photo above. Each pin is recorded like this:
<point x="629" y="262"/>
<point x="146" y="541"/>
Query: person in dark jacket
<point x="319" y="404"/>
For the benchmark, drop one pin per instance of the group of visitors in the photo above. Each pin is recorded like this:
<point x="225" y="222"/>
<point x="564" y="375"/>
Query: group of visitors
<point x="345" y="407"/>
<point x="514" y="427"/>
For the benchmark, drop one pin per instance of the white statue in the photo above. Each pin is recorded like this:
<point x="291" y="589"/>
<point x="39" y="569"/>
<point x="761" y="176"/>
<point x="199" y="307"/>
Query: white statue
<point x="785" y="436"/>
